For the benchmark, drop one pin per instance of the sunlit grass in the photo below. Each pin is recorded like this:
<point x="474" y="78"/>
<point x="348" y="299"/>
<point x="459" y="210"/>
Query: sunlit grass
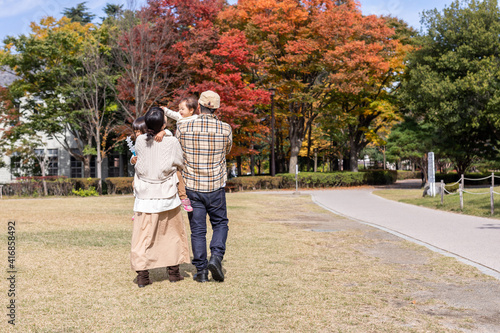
<point x="477" y="204"/>
<point x="74" y="273"/>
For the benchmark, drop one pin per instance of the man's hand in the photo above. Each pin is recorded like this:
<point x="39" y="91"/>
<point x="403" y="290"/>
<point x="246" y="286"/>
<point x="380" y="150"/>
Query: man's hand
<point x="159" y="136"/>
<point x="133" y="160"/>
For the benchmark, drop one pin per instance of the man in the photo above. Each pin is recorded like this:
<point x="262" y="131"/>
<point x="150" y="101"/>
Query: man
<point x="205" y="142"/>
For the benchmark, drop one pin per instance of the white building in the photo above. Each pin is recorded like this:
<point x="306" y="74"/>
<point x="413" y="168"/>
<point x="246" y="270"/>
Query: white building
<point x="60" y="161"/>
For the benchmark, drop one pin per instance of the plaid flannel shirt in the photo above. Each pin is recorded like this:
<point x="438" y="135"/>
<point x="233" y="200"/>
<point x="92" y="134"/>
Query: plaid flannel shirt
<point x="205" y="142"/>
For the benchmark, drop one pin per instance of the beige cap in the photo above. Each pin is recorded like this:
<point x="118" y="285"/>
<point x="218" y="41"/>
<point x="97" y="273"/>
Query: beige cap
<point x="210" y="99"/>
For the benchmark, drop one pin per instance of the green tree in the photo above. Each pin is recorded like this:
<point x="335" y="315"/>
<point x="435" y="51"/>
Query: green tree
<point x="91" y="92"/>
<point x="45" y="62"/>
<point x="80" y="13"/>
<point x="113" y="11"/>
<point x="411" y="141"/>
<point x="453" y="78"/>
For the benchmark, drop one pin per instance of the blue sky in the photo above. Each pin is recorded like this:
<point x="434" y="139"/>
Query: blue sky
<point x="16" y="15"/>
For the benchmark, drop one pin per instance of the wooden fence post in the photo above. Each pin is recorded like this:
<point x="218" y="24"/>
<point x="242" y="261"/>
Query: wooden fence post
<point x="492" y="201"/>
<point x="442" y="192"/>
<point x="461" y="197"/>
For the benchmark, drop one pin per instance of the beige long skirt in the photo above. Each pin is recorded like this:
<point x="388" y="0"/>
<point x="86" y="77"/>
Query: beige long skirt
<point x="158" y="240"/>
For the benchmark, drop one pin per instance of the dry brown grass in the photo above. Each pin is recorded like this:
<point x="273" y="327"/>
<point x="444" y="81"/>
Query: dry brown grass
<point x="74" y="273"/>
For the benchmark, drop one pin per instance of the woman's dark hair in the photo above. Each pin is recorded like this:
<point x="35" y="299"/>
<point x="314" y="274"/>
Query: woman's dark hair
<point x="191" y="102"/>
<point x="140" y="125"/>
<point x="154" y="119"/>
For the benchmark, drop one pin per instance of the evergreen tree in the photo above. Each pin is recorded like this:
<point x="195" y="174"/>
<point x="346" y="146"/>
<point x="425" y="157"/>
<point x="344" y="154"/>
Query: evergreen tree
<point x="453" y="78"/>
<point x="80" y="13"/>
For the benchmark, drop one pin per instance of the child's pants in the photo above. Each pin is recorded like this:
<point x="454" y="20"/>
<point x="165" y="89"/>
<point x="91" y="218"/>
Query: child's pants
<point x="181" y="188"/>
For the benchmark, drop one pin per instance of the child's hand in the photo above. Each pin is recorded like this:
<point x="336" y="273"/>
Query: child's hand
<point x="159" y="136"/>
<point x="133" y="160"/>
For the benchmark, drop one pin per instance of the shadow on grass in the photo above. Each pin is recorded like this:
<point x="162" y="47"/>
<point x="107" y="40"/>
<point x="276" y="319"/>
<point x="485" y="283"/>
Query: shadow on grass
<point x="160" y="274"/>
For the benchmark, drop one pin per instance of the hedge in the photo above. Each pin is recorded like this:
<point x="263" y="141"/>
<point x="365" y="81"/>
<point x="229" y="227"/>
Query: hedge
<point x="402" y="174"/>
<point x="59" y="186"/>
<point x="313" y="180"/>
<point x="120" y="185"/>
<point x="84" y="183"/>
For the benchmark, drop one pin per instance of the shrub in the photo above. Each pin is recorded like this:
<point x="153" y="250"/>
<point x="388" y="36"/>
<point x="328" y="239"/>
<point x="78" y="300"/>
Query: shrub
<point x="60" y="187"/>
<point x="451" y="187"/>
<point x="402" y="174"/>
<point x="120" y="185"/>
<point x="33" y="186"/>
<point x="85" y="183"/>
<point x="380" y="177"/>
<point x="91" y="191"/>
<point x="314" y="180"/>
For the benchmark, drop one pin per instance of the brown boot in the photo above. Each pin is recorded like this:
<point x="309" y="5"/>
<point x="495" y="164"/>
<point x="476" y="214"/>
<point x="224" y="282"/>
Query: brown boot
<point x="174" y="274"/>
<point x="143" y="278"/>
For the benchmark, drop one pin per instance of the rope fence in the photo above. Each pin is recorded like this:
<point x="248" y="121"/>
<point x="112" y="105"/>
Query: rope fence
<point x="461" y="190"/>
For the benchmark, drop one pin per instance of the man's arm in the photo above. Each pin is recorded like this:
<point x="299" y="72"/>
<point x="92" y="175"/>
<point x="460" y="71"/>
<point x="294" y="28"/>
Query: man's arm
<point x="229" y="142"/>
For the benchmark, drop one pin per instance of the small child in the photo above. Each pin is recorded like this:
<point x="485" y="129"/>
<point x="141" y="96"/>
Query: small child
<point x="138" y="127"/>
<point x="187" y="107"/>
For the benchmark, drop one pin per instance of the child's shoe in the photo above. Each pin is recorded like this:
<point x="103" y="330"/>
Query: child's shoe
<point x="186" y="204"/>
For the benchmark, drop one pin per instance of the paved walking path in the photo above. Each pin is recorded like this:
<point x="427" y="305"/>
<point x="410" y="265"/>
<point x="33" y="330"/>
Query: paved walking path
<point x="474" y="240"/>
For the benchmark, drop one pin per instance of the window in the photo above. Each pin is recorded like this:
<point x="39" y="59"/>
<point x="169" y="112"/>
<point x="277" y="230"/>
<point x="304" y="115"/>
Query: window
<point x="93" y="168"/>
<point x="114" y="165"/>
<point x="52" y="161"/>
<point x="77" y="169"/>
<point x="76" y="165"/>
<point x="15" y="165"/>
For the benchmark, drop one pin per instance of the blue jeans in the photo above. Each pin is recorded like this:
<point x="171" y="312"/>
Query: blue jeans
<point x="213" y="204"/>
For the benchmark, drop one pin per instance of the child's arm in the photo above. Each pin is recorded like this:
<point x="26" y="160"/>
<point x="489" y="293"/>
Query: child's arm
<point x="159" y="136"/>
<point x="171" y="114"/>
<point x="133" y="160"/>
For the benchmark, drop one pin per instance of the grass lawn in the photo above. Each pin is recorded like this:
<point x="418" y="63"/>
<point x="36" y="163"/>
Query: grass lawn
<point x="291" y="266"/>
<point x="474" y="204"/>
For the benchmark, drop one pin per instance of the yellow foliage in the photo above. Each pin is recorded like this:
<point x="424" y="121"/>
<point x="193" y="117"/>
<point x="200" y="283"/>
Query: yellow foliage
<point x="50" y="24"/>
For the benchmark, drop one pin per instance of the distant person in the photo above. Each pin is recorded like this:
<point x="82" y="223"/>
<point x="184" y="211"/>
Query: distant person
<point x="159" y="236"/>
<point x="205" y="142"/>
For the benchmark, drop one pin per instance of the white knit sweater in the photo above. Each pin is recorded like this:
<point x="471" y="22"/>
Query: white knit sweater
<point x="155" y="170"/>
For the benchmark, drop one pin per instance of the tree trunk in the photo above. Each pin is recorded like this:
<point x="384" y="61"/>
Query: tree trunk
<point x="86" y="166"/>
<point x="99" y="160"/>
<point x="252" y="163"/>
<point x="238" y="165"/>
<point x="296" y="134"/>
<point x="99" y="171"/>
<point x="353" y="159"/>
<point x="315" y="160"/>
<point x="309" y="143"/>
<point x="44" y="172"/>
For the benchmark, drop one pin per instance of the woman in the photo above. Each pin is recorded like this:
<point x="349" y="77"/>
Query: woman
<point x="159" y="237"/>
